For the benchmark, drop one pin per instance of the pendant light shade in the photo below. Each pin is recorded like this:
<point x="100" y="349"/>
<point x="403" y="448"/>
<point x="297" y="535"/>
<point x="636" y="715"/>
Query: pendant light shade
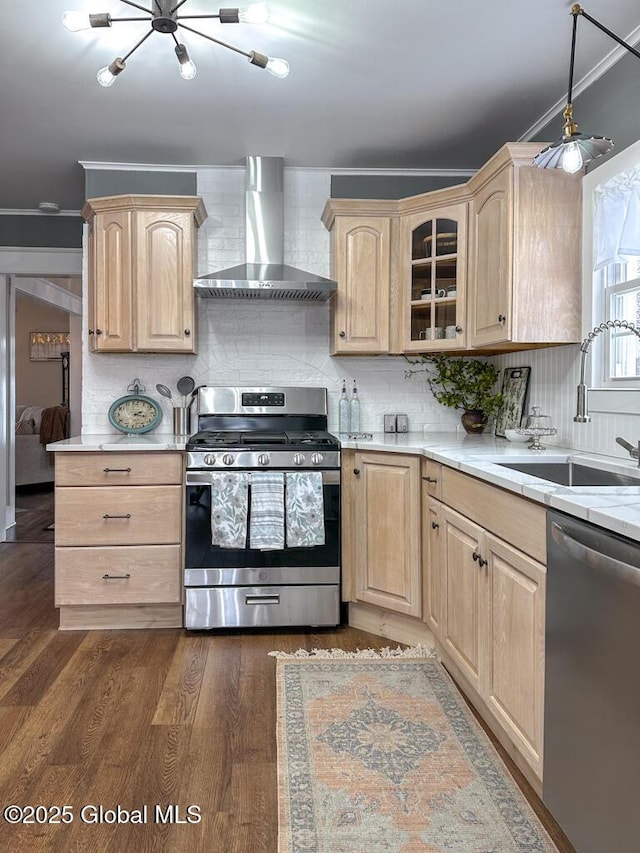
<point x="575" y="150"/>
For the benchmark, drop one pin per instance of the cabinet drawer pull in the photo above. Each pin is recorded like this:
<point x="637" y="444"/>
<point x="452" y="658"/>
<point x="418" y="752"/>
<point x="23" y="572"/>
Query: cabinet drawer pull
<point x="119" y="470"/>
<point x="106" y="515"/>
<point x="262" y="599"/>
<point x="431" y="479"/>
<point x="116" y="577"/>
<point x="434" y="525"/>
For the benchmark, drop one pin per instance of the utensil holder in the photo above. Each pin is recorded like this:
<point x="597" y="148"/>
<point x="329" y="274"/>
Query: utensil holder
<point x="181" y="420"/>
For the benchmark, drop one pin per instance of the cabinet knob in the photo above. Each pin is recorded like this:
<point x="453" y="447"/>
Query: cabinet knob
<point x="434" y="525"/>
<point x="501" y="318"/>
<point x="343" y="334"/>
<point x="356" y="471"/>
<point x="458" y="329"/>
<point x="187" y="332"/>
<point x="98" y="331"/>
<point x="477" y="558"/>
<point x="90" y="331"/>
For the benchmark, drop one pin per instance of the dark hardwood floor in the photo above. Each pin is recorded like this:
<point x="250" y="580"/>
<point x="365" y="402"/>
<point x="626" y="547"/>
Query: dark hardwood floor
<point x="135" y="718"/>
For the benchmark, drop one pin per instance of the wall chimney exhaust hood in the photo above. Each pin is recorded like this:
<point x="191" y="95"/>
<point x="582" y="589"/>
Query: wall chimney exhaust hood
<point x="264" y="275"/>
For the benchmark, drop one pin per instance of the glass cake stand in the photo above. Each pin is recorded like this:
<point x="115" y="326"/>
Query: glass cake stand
<point x="535" y="434"/>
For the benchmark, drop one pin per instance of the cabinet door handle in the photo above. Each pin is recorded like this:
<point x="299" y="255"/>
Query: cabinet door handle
<point x="434" y="525"/>
<point x="116" y="577"/>
<point x="187" y="332"/>
<point x="431" y="479"/>
<point x="106" y="515"/>
<point x="501" y="318"/>
<point x="356" y="471"/>
<point x="112" y="470"/>
<point x="343" y="334"/>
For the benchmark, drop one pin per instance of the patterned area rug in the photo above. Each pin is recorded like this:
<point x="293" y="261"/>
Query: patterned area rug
<point x="378" y="753"/>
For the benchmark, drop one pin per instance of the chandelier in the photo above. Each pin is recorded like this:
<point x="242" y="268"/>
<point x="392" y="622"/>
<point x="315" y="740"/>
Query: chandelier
<point x="575" y="149"/>
<point x="164" y="18"/>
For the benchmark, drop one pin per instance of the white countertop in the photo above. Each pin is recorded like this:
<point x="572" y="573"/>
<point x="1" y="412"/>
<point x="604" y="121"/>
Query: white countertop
<point x="121" y="442"/>
<point x="615" y="508"/>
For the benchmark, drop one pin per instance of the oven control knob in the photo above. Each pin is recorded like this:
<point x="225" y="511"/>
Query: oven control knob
<point x="263" y="459"/>
<point x="298" y="459"/>
<point x="228" y="458"/>
<point x="209" y="459"/>
<point x="317" y="458"/>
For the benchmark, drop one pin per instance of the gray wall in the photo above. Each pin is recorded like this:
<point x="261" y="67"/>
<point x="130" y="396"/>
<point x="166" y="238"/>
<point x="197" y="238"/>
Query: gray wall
<point x="60" y="232"/>
<point x="389" y="186"/>
<point x="103" y="182"/>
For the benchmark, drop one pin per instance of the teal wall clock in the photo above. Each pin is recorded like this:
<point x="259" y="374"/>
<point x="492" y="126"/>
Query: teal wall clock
<point x="135" y="413"/>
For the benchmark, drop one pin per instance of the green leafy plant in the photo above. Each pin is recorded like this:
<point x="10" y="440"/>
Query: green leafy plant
<point x="468" y="384"/>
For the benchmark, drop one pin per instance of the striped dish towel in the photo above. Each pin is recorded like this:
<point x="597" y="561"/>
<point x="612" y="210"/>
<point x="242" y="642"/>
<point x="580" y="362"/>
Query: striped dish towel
<point x="266" y="524"/>
<point x="229" y="509"/>
<point x="305" y="509"/>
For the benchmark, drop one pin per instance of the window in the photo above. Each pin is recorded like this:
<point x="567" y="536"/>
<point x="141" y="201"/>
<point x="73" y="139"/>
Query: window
<point x="611" y="263"/>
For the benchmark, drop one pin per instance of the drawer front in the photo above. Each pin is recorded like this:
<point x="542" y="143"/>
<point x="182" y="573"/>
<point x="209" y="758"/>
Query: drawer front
<point x="136" y="575"/>
<point x="432" y="478"/>
<point x="514" y="519"/>
<point x="118" y="469"/>
<point x="144" y="515"/>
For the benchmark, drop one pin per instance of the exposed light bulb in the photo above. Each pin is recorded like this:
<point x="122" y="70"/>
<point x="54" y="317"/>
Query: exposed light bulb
<point x="76" y="21"/>
<point x="278" y="67"/>
<point x="107" y="75"/>
<point x="187" y="68"/>
<point x="572" y="160"/>
<point x="256" y="13"/>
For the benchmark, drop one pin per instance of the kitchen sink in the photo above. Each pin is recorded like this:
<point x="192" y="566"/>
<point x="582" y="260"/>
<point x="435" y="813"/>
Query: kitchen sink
<point x="572" y="473"/>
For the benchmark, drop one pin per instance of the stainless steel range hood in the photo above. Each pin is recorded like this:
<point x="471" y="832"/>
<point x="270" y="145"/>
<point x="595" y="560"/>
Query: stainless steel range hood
<point x="264" y="275"/>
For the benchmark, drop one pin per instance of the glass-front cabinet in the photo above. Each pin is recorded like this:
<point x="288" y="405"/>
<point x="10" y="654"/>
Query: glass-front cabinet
<point x="435" y="244"/>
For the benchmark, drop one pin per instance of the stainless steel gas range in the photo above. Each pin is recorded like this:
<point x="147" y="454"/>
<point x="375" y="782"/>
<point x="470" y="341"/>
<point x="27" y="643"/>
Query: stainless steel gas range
<point x="263" y="510"/>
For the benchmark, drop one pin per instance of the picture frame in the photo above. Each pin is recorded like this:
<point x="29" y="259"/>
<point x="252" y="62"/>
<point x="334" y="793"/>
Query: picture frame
<point x="48" y="346"/>
<point x="515" y="388"/>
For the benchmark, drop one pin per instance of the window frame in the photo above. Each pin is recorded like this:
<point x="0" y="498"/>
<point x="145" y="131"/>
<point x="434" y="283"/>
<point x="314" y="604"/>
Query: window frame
<point x="605" y="395"/>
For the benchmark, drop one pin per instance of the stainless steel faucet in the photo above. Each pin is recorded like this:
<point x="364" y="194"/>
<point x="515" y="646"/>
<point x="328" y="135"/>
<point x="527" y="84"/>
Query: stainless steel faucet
<point x="634" y="452"/>
<point x="582" y="412"/>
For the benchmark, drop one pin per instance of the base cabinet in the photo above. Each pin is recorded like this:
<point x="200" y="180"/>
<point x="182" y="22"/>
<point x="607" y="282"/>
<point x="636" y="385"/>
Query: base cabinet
<point x="485" y="602"/>
<point x="385" y="545"/>
<point x="118" y="537"/>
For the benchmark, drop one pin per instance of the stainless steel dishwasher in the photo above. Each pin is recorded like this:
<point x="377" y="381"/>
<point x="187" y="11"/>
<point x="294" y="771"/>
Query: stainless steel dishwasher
<point x="592" y="686"/>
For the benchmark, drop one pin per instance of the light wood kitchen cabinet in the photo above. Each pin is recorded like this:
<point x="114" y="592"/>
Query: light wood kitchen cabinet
<point x="385" y="545"/>
<point x="490" y="621"/>
<point x="432" y="562"/>
<point x="141" y="270"/>
<point x="433" y="256"/>
<point x="524" y="270"/>
<point x="361" y="240"/>
<point x="118" y="537"/>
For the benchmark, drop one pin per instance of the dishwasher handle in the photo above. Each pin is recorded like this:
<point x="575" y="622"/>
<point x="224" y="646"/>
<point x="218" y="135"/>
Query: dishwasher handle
<point x="594" y="559"/>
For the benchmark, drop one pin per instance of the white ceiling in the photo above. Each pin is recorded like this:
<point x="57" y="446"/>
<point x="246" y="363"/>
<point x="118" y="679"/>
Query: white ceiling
<point x="404" y="84"/>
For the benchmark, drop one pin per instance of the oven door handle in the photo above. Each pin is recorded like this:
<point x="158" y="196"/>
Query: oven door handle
<point x="204" y="478"/>
<point x="267" y="598"/>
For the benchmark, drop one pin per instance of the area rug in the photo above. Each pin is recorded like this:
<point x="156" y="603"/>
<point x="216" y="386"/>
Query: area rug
<point x="378" y="753"/>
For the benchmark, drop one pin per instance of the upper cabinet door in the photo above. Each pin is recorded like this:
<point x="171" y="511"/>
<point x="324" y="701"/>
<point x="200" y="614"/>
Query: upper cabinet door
<point x="164" y="277"/>
<point x="361" y="255"/>
<point x="110" y="302"/>
<point x="491" y="260"/>
<point x="434" y="249"/>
